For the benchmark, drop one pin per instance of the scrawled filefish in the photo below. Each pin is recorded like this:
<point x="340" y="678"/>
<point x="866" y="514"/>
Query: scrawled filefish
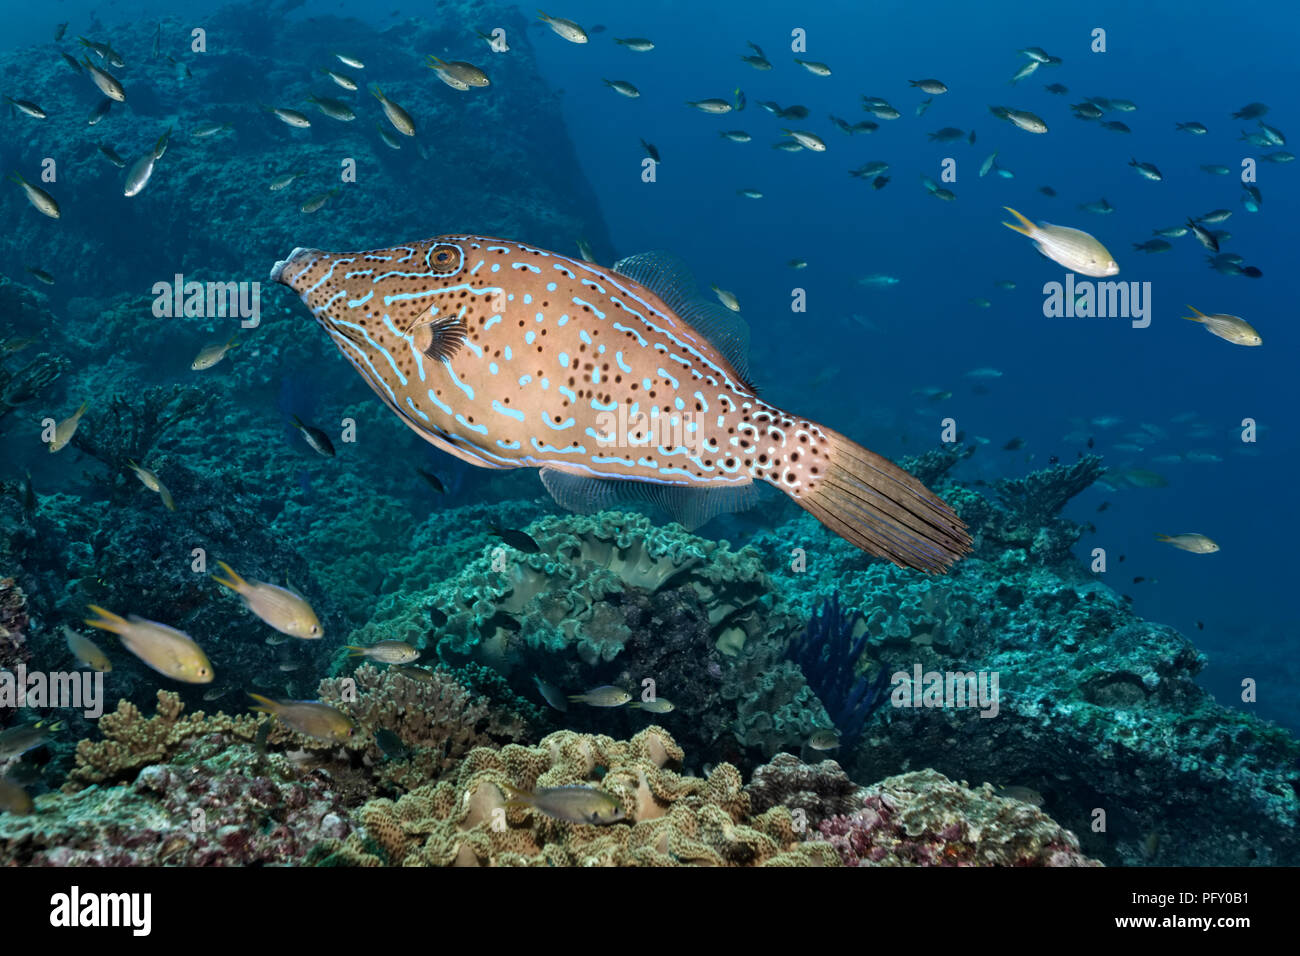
<point x="509" y="356"/>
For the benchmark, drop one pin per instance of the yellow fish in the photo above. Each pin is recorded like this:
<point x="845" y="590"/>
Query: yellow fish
<point x="150" y="481"/>
<point x="170" y="652"/>
<point x="210" y="355"/>
<point x="287" y="612"/>
<point x="309" y="717"/>
<point x="86" y="651"/>
<point x="65" y="429"/>
<point x="509" y="356"/>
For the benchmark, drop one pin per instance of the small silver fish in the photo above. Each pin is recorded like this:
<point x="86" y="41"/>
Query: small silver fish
<point x="315" y="202"/>
<point x="564" y="28"/>
<point x="106" y="82"/>
<point x="623" y="88"/>
<point x="660" y="705"/>
<point x="28" y="107"/>
<point x="333" y="108"/>
<point x="139" y="174"/>
<point x="400" y="119"/>
<point x="280" y="182"/>
<point x="386" y="652"/>
<point x="714" y="105"/>
<point x="289" y="117"/>
<point x="341" y="79"/>
<point x="41" y="201"/>
<point x="458" y="74"/>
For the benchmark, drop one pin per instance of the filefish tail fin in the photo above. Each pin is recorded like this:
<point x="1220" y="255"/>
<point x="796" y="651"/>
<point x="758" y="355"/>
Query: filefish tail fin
<point x="234" y="582"/>
<point x="1026" y="227"/>
<point x="872" y="503"/>
<point x="107" y="620"/>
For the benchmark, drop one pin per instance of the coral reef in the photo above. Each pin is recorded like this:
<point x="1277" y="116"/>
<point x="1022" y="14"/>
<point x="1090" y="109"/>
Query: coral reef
<point x="1097" y="709"/>
<point x="133" y="741"/>
<point x="829" y="652"/>
<point x="924" y="819"/>
<point x="671" y="820"/>
<point x="818" y="790"/>
<point x="435" y="719"/>
<point x="130" y="429"/>
<point x="227" y="805"/>
<point x="14" y="649"/>
<point x="613" y="599"/>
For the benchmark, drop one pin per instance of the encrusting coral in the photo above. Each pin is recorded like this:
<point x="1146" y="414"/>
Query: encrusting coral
<point x="924" y="819"/>
<point x="225" y="805"/>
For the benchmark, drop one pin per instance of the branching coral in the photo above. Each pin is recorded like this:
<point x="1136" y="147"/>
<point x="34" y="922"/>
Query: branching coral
<point x="14" y="649"/>
<point x="924" y="819"/>
<point x="436" y="719"/>
<point x="130" y="430"/>
<point x="132" y="741"/>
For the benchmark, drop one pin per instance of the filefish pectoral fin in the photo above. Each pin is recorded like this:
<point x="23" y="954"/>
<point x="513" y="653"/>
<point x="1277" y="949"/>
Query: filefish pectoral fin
<point x="441" y="338"/>
<point x="689" y="505"/>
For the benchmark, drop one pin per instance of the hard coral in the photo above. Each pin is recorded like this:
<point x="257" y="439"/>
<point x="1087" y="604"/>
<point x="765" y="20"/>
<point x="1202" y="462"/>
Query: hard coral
<point x="436" y="719"/>
<point x="924" y="819"/>
<point x="132" y="741"/>
<point x="233" y="807"/>
<point x="14" y="649"/>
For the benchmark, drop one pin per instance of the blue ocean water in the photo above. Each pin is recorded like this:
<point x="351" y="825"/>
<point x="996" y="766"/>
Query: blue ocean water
<point x="1179" y="62"/>
<point x="889" y="365"/>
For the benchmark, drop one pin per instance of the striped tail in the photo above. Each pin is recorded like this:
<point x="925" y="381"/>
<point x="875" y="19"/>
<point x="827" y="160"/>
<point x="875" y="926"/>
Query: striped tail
<point x="872" y="503"/>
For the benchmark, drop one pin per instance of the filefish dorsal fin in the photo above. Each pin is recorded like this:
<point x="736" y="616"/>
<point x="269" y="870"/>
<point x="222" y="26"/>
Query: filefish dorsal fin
<point x="689" y="506"/>
<point x="670" y="278"/>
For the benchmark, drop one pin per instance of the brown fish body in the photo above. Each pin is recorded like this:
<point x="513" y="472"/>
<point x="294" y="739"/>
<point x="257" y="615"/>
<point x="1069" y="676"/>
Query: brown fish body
<point x="508" y="356"/>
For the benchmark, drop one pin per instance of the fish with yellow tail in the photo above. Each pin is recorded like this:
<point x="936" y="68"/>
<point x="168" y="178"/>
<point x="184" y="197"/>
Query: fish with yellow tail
<point x="309" y="717"/>
<point x="286" y="611"/>
<point x="170" y="652"/>
<point x="1072" y="248"/>
<point x="510" y="356"/>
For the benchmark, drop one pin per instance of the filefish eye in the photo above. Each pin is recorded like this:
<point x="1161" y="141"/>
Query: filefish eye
<point x="444" y="258"/>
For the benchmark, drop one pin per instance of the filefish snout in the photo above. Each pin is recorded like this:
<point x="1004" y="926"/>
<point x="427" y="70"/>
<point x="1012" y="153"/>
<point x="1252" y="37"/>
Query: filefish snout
<point x="296" y="264"/>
